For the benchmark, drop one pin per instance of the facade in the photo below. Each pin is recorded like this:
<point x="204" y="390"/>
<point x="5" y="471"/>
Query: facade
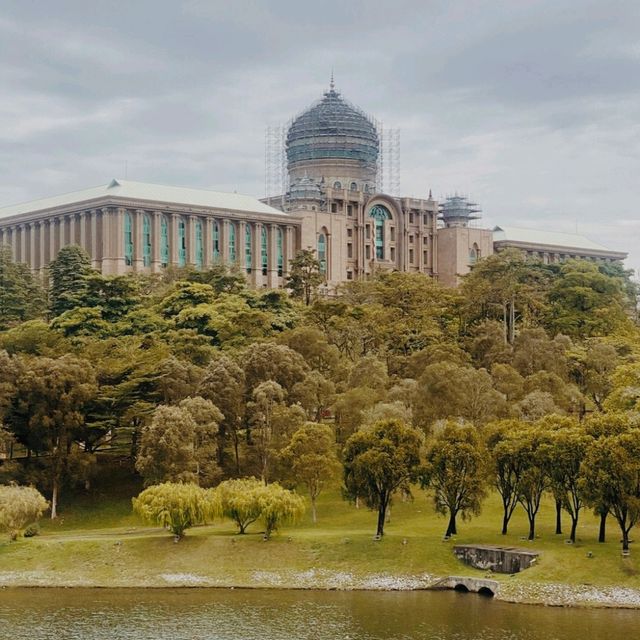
<point x="332" y="206"/>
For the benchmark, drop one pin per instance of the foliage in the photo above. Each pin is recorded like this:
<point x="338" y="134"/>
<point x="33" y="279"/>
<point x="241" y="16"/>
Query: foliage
<point x="19" y="507"/>
<point x="305" y="275"/>
<point x="279" y="506"/>
<point x="240" y="501"/>
<point x="69" y="274"/>
<point x="175" y="506"/>
<point x="380" y="461"/>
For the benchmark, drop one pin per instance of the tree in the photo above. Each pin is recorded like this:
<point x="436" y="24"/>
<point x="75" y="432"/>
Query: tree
<point x="240" y="501"/>
<point x="305" y="275"/>
<point x="69" y="272"/>
<point x="455" y="470"/>
<point x="180" y="444"/>
<point x="611" y="475"/>
<point x="19" y="506"/>
<point x="315" y="394"/>
<point x="269" y="361"/>
<point x="565" y="451"/>
<point x="379" y="461"/>
<point x="48" y="412"/>
<point x="21" y="295"/>
<point x="175" y="506"/>
<point x="312" y="460"/>
<point x="278" y="506"/>
<point x="505" y="467"/>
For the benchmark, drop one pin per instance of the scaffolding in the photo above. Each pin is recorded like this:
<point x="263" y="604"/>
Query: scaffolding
<point x="276" y="179"/>
<point x="388" y="170"/>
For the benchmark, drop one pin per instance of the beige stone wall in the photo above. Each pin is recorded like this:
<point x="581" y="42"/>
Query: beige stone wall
<point x="454" y="246"/>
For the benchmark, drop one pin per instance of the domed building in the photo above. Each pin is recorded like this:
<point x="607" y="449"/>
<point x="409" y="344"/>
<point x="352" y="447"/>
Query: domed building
<point x="333" y="205"/>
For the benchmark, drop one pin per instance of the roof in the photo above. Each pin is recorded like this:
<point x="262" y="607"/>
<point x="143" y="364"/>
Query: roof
<point x="550" y="238"/>
<point x="128" y="190"/>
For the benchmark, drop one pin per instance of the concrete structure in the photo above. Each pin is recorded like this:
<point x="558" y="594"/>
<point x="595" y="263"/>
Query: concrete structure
<point x="495" y="558"/>
<point x="331" y="206"/>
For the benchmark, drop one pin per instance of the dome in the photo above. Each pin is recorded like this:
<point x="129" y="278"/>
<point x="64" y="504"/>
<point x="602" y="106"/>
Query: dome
<point x="332" y="129"/>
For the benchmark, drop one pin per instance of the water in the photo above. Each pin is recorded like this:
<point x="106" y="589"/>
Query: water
<point x="201" y="614"/>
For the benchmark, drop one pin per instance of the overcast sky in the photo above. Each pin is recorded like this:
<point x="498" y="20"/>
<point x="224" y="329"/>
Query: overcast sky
<point x="531" y="108"/>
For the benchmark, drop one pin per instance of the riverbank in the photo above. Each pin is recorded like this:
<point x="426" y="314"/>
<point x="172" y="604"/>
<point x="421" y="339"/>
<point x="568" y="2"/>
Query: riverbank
<point x="99" y="543"/>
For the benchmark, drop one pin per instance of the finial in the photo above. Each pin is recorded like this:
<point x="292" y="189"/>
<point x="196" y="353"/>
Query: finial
<point x="430" y="196"/>
<point x="332" y="84"/>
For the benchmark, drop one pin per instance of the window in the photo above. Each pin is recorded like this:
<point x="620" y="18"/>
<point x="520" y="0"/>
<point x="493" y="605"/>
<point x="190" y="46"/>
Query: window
<point x="263" y="251"/>
<point x="334" y="207"/>
<point x="349" y="209"/>
<point x="474" y="254"/>
<point x="392" y="253"/>
<point x="411" y="239"/>
<point x="349" y="250"/>
<point x="367" y="231"/>
<point x="199" y="245"/>
<point x="411" y="217"/>
<point x="247" y="248"/>
<point x="349" y="275"/>
<point x="232" y="242"/>
<point x="279" y="252"/>
<point x="146" y="241"/>
<point x="367" y="252"/>
<point x="322" y="253"/>
<point x="216" y="241"/>
<point x="425" y="219"/>
<point x="349" y="233"/>
<point x="380" y="214"/>
<point x="392" y="234"/>
<point x="425" y="257"/>
<point x="164" y="242"/>
<point x="425" y="240"/>
<point x="366" y="188"/>
<point x="354" y="186"/>
<point x="182" y="244"/>
<point x="411" y="256"/>
<point x="128" y="239"/>
<point x="337" y="185"/>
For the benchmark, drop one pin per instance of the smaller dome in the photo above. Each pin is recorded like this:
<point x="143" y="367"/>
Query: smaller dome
<point x="305" y="189"/>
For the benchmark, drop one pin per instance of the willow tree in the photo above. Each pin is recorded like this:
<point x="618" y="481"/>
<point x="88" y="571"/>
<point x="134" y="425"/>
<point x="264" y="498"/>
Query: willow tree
<point x="19" y="507"/>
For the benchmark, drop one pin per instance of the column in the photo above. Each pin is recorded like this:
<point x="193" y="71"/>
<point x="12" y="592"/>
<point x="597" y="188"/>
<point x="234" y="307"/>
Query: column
<point x="272" y="256"/>
<point x="288" y="249"/>
<point x="52" y="237"/>
<point x="96" y="256"/>
<point x="108" y="228"/>
<point x="73" y="229"/>
<point x="224" y="241"/>
<point x="241" y="245"/>
<point x="207" y="242"/>
<point x="138" y="240"/>
<point x="190" y="232"/>
<point x="43" y="245"/>
<point x="84" y="230"/>
<point x="173" y="239"/>
<point x="256" y="257"/>
<point x="34" y="258"/>
<point x="23" y="243"/>
<point x="156" y="235"/>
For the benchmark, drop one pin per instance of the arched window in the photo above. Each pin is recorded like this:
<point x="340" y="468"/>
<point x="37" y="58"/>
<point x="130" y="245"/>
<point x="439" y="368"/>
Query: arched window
<point x="146" y="241"/>
<point x="337" y="185"/>
<point x="322" y="253"/>
<point x="263" y="251"/>
<point x="199" y="245"/>
<point x="128" y="239"/>
<point x="474" y="254"/>
<point x="216" y="241"/>
<point x="379" y="214"/>
<point x="280" y="255"/>
<point x="182" y="243"/>
<point x="164" y="242"/>
<point x="354" y="186"/>
<point x="248" y="256"/>
<point x="232" y="242"/>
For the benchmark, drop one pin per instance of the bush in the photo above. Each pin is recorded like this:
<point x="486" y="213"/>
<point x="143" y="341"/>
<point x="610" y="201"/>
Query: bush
<point x="18" y="507"/>
<point x="32" y="530"/>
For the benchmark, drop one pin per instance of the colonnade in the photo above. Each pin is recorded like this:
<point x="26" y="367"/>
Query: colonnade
<point x="121" y="240"/>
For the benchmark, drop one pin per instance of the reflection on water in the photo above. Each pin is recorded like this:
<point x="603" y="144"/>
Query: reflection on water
<point x="191" y="614"/>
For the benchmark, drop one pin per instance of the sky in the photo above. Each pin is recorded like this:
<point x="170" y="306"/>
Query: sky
<point x="532" y="109"/>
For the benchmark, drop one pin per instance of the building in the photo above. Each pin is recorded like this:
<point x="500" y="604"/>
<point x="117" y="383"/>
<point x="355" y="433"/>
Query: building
<point x="333" y="205"/>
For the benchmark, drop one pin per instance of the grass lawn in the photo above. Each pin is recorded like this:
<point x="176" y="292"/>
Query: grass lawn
<point x="98" y="541"/>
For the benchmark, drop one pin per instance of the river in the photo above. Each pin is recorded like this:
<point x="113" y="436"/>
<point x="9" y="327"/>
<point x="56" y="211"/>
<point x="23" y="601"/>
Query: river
<point x="203" y="614"/>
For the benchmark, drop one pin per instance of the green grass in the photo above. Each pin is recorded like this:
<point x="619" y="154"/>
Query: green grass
<point x="99" y="541"/>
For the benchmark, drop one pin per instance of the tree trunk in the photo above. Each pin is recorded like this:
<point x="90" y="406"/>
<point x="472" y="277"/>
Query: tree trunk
<point x="574" y="526"/>
<point x="54" y="499"/>
<point x="313" y="510"/>
<point x="603" y="527"/>
<point x="505" y="523"/>
<point x="382" y="513"/>
<point x="451" y="528"/>
<point x="532" y="528"/>
<point x="625" y="540"/>
<point x="558" y="517"/>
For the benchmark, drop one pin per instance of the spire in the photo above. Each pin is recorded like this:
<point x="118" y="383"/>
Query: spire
<point x="332" y="84"/>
